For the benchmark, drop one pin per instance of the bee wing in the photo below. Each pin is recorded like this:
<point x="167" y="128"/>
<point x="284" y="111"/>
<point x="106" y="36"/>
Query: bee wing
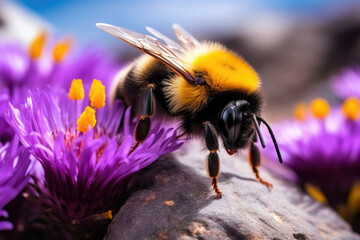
<point x="186" y="39"/>
<point x="174" y="46"/>
<point x="151" y="46"/>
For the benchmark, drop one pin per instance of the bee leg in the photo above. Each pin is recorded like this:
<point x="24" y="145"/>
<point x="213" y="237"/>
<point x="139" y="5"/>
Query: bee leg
<point x="255" y="161"/>
<point x="143" y="126"/>
<point x="213" y="158"/>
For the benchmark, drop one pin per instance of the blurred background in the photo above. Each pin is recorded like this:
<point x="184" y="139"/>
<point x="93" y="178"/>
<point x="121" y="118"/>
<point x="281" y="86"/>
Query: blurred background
<point x="296" y="46"/>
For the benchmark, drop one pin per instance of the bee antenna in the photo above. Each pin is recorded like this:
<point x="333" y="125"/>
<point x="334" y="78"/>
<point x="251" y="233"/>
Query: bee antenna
<point x="258" y="131"/>
<point x="272" y="137"/>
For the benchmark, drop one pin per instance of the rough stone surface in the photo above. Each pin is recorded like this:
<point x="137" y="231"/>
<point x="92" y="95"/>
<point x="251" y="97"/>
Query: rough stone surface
<point x="178" y="203"/>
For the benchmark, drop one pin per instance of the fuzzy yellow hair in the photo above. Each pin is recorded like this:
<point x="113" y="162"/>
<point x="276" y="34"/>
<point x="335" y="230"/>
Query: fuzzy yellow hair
<point x="224" y="71"/>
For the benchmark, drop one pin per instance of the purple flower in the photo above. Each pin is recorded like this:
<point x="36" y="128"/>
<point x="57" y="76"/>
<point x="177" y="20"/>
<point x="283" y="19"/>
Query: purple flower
<point x="85" y="172"/>
<point x="22" y="70"/>
<point x="14" y="175"/>
<point x="347" y="83"/>
<point x="324" y="152"/>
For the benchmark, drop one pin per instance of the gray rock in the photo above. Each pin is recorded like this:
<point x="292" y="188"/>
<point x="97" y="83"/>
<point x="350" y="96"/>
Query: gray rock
<point x="180" y="204"/>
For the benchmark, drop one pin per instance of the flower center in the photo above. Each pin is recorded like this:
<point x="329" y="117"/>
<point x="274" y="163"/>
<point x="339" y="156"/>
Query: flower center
<point x="69" y="137"/>
<point x="97" y="100"/>
<point x="351" y="108"/>
<point x="320" y="108"/>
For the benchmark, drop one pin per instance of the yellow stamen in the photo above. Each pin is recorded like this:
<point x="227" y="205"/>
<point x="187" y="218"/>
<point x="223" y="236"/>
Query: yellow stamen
<point x="108" y="215"/>
<point x="300" y="111"/>
<point x="349" y="211"/>
<point x="86" y="118"/>
<point x="316" y="193"/>
<point x="320" y="108"/>
<point x="37" y="46"/>
<point x="94" y="85"/>
<point x="61" y="49"/>
<point x="351" y="108"/>
<point x="97" y="94"/>
<point x="76" y="91"/>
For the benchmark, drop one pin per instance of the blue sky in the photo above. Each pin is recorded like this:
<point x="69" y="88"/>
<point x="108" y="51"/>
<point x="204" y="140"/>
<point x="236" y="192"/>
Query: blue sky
<point x="208" y="17"/>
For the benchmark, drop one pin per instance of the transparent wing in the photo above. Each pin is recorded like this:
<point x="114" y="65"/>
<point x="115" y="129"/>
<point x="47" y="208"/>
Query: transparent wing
<point x="186" y="39"/>
<point x="174" y="46"/>
<point x="151" y="46"/>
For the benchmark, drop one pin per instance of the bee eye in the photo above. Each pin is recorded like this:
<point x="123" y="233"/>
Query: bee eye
<point x="201" y="81"/>
<point x="228" y="122"/>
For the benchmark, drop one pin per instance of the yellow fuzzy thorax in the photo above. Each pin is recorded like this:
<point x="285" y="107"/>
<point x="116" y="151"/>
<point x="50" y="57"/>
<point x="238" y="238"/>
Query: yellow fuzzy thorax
<point x="223" y="71"/>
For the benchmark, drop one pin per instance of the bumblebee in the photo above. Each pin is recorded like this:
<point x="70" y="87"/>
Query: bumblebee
<point x="209" y="88"/>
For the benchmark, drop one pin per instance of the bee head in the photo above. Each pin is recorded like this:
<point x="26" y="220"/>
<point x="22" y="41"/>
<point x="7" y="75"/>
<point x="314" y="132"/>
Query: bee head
<point x="236" y="125"/>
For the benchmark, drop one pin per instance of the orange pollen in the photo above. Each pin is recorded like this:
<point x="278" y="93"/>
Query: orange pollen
<point x="320" y="108"/>
<point x="61" y="49"/>
<point x="300" y="111"/>
<point x="37" y="46"/>
<point x="76" y="91"/>
<point x="97" y="94"/>
<point x="86" y="118"/>
<point x="108" y="215"/>
<point x="351" y="108"/>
